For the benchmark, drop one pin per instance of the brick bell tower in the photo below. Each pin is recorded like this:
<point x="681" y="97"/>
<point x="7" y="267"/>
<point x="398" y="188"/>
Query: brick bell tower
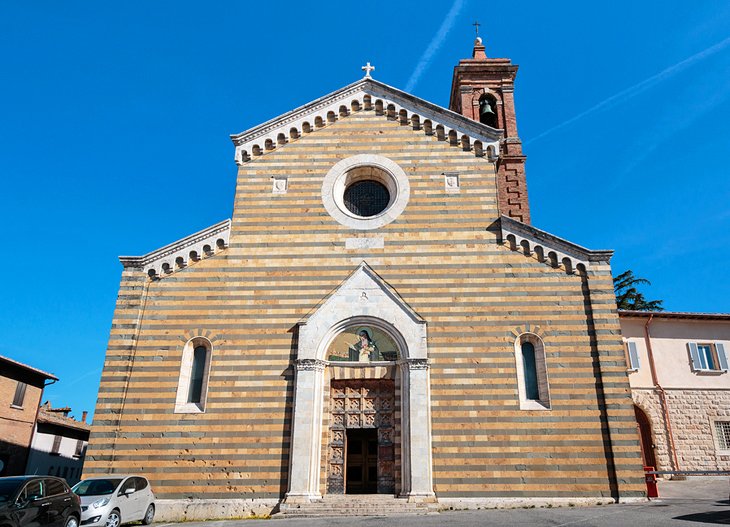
<point x="483" y="89"/>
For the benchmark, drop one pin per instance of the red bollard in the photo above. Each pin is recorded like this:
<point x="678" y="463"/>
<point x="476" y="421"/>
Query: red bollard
<point x="651" y="488"/>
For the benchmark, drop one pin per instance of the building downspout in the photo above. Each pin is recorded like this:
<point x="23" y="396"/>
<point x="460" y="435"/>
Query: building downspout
<point x="662" y="394"/>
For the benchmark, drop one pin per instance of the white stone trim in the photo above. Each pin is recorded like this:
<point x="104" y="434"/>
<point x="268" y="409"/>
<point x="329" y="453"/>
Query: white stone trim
<point x="417" y="462"/>
<point x="363" y="299"/>
<point x="347" y="306"/>
<point x="280" y="184"/>
<point x="182" y="510"/>
<point x="540" y="369"/>
<point x="306" y="443"/>
<point x="566" y="255"/>
<point x="177" y="255"/>
<point x="335" y="182"/>
<point x="373" y="242"/>
<point x="292" y="125"/>
<point x="182" y="406"/>
<point x="452" y="182"/>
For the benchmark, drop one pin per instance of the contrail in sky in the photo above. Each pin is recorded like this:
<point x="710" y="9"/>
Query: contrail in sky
<point x="636" y="89"/>
<point x="435" y="44"/>
<point x="82" y="377"/>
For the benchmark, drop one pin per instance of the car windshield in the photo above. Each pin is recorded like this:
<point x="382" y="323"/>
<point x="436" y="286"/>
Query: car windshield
<point x="96" y="487"/>
<point x="8" y="488"/>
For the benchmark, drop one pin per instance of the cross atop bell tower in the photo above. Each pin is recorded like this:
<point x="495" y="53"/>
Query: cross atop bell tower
<point x="482" y="89"/>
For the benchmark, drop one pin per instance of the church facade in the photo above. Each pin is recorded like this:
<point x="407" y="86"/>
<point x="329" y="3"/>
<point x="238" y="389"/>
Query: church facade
<point x="379" y="316"/>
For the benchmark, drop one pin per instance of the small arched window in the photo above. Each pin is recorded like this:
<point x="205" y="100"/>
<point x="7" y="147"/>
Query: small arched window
<point x="532" y="379"/>
<point x="532" y="392"/>
<point x="195" y="390"/>
<point x="192" y="388"/>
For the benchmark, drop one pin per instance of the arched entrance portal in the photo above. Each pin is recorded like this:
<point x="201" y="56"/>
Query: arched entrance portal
<point x="362" y="432"/>
<point x="647" y="444"/>
<point x="342" y="395"/>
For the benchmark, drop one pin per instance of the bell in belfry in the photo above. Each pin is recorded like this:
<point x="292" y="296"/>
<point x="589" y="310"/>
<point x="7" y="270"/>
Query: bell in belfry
<point x="486" y="113"/>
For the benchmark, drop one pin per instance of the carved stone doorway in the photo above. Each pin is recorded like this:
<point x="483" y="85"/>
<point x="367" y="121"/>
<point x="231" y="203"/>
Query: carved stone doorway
<point x="362" y="412"/>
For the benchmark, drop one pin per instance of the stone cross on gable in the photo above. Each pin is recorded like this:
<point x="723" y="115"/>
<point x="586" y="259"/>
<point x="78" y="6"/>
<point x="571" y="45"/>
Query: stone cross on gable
<point x="367" y="68"/>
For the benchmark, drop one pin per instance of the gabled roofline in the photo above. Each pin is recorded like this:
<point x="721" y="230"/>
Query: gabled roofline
<point x="30" y="369"/>
<point x="519" y="233"/>
<point x="362" y="298"/>
<point x="162" y="261"/>
<point x="386" y="287"/>
<point x="254" y="139"/>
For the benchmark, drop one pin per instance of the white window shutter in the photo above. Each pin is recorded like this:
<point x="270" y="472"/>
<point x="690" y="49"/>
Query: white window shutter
<point x="633" y="356"/>
<point x="721" y="357"/>
<point x="695" y="354"/>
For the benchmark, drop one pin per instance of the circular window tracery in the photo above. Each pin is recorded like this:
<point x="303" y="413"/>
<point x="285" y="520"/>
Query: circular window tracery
<point x="366" y="198"/>
<point x="365" y="191"/>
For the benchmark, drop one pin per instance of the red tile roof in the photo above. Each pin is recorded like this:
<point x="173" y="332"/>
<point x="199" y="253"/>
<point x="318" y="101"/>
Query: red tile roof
<point x="50" y="417"/>
<point x="29" y="368"/>
<point x="625" y="313"/>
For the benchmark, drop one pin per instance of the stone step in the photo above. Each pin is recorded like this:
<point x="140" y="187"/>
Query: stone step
<point x="362" y="505"/>
<point x="338" y="512"/>
<point x="376" y="509"/>
<point x="364" y="498"/>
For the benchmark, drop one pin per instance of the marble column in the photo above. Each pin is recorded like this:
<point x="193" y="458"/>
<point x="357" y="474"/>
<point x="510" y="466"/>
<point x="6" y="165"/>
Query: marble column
<point x="306" y="441"/>
<point x="416" y="430"/>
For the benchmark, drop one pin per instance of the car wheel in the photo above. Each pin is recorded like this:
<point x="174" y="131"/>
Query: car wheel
<point x="149" y="515"/>
<point x="114" y="520"/>
<point x="71" y="521"/>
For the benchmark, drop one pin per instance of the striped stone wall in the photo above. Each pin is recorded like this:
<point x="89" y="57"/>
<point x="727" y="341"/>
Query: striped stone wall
<point x="444" y="258"/>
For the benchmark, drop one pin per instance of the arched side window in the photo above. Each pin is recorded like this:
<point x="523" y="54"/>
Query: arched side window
<point x="192" y="386"/>
<point x="532" y="391"/>
<point x="532" y="379"/>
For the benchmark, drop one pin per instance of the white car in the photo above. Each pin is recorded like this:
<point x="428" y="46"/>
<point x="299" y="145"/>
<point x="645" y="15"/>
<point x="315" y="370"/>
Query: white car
<point x="109" y="501"/>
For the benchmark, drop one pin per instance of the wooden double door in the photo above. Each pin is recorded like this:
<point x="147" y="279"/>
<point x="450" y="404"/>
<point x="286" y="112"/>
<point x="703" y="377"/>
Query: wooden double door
<point x="361" y="457"/>
<point x="361" y="465"/>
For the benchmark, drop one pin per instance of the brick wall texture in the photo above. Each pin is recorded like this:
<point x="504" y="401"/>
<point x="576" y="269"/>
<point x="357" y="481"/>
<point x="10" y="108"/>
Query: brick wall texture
<point x="444" y="258"/>
<point x="16" y="424"/>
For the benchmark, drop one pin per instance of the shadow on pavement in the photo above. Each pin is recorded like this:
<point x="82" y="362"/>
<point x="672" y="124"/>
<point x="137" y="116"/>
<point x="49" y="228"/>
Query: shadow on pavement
<point x="721" y="517"/>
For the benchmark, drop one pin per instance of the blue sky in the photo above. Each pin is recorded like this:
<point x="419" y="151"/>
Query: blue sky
<point x="116" y="117"/>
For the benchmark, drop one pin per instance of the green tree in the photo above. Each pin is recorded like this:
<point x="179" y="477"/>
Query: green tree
<point x="629" y="297"/>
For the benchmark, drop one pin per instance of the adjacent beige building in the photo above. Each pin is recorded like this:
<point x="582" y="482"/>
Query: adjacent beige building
<point x="680" y="384"/>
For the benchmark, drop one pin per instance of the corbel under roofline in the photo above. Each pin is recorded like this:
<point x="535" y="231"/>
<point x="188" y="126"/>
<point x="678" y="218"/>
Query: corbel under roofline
<point x="294" y="119"/>
<point x="214" y="237"/>
<point x="549" y="242"/>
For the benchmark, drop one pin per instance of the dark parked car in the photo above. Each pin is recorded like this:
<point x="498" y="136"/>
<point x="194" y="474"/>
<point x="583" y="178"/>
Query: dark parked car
<point x="38" y="501"/>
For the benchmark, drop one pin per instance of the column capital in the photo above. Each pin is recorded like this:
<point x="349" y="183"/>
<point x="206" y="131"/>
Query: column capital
<point x="310" y="365"/>
<point x="417" y="364"/>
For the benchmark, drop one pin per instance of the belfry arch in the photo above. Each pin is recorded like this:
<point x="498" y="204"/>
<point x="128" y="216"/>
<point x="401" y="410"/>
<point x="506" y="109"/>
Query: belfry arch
<point x="363" y="301"/>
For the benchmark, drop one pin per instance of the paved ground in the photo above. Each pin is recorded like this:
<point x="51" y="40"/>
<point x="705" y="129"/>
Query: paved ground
<point x="695" y="502"/>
